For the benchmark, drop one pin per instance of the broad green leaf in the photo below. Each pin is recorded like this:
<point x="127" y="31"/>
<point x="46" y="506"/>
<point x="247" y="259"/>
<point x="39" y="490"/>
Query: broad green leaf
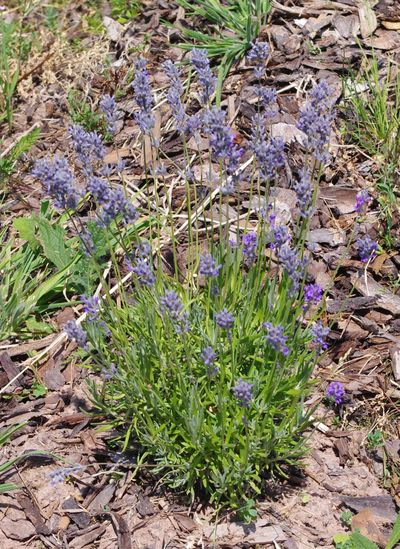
<point x="341" y="537"/>
<point x="26" y="226"/>
<point x="52" y="238"/>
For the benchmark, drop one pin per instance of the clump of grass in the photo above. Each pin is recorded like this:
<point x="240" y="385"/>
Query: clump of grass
<point x="372" y="108"/>
<point x="231" y="29"/>
<point x="83" y="113"/>
<point x="14" y="48"/>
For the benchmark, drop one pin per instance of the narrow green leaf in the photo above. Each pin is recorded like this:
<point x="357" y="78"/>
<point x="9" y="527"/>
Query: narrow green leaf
<point x="395" y="536"/>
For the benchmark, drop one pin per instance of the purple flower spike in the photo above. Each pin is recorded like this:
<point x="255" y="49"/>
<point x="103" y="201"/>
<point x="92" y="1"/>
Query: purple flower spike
<point x="312" y="295"/>
<point x="316" y="119"/>
<point x="207" y="80"/>
<point x="258" y="55"/>
<point x="61" y="474"/>
<point x="279" y="236"/>
<point x="363" y="198"/>
<point x="209" y="357"/>
<point x="243" y="392"/>
<point x="208" y="267"/>
<point x="171" y="304"/>
<point x="223" y="146"/>
<point x="88" y="146"/>
<point x="144" y="272"/>
<point x="270" y="154"/>
<point x="319" y="333"/>
<point x="304" y="191"/>
<point x="335" y="391"/>
<point x="117" y="204"/>
<point x="249" y="242"/>
<point x="366" y="248"/>
<point x="91" y="306"/>
<point x="76" y="333"/>
<point x="174" y="94"/>
<point x="276" y="338"/>
<point x="109" y="107"/>
<point x="292" y="264"/>
<point x="109" y="372"/>
<point x="224" y="319"/>
<point x="58" y="180"/>
<point x="144" y="97"/>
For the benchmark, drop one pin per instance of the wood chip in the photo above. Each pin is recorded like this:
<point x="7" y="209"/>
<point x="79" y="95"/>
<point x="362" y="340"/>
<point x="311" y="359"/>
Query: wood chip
<point x="367" y="286"/>
<point x="234" y="533"/>
<point x="395" y="356"/>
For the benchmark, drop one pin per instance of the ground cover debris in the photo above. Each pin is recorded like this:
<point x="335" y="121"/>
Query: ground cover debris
<point x="199" y="274"/>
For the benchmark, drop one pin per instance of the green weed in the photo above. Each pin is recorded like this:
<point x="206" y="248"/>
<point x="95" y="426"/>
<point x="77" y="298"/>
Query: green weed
<point x="8" y="162"/>
<point x="233" y="26"/>
<point x="82" y="112"/>
<point x="7" y="466"/>
<point x="14" y="48"/>
<point x="372" y="110"/>
<point x="375" y="439"/>
<point x="356" y="540"/>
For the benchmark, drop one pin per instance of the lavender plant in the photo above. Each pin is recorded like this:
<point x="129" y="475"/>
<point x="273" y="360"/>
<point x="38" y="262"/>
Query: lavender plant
<point x="206" y="374"/>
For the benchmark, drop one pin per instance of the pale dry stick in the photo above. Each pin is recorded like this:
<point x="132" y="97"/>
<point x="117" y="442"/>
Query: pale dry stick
<point x="59" y="340"/>
<point x="314" y="9"/>
<point x="18" y="139"/>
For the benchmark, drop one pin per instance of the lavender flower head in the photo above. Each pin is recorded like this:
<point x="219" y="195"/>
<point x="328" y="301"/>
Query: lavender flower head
<point x="208" y="266"/>
<point x="319" y="333"/>
<point x="366" y="248"/>
<point x="109" y="372"/>
<point x="279" y="235"/>
<point x="60" y="475"/>
<point x="174" y="94"/>
<point x="91" y="306"/>
<point x="363" y="198"/>
<point x="76" y="333"/>
<point x="88" y="147"/>
<point x="144" y="271"/>
<point x="99" y="189"/>
<point x="276" y="338"/>
<point x="316" y="119"/>
<point x="58" y="180"/>
<point x="243" y="392"/>
<point x="171" y="304"/>
<point x="209" y="357"/>
<point x="223" y="146"/>
<point x="335" y="391"/>
<point x="292" y="264"/>
<point x="144" y="97"/>
<point x="312" y="295"/>
<point x="268" y="97"/>
<point x="258" y="55"/>
<point x="270" y="155"/>
<point x="207" y="80"/>
<point x="249" y="243"/>
<point x="304" y="191"/>
<point x="117" y="204"/>
<point x="225" y="319"/>
<point x="109" y="107"/>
